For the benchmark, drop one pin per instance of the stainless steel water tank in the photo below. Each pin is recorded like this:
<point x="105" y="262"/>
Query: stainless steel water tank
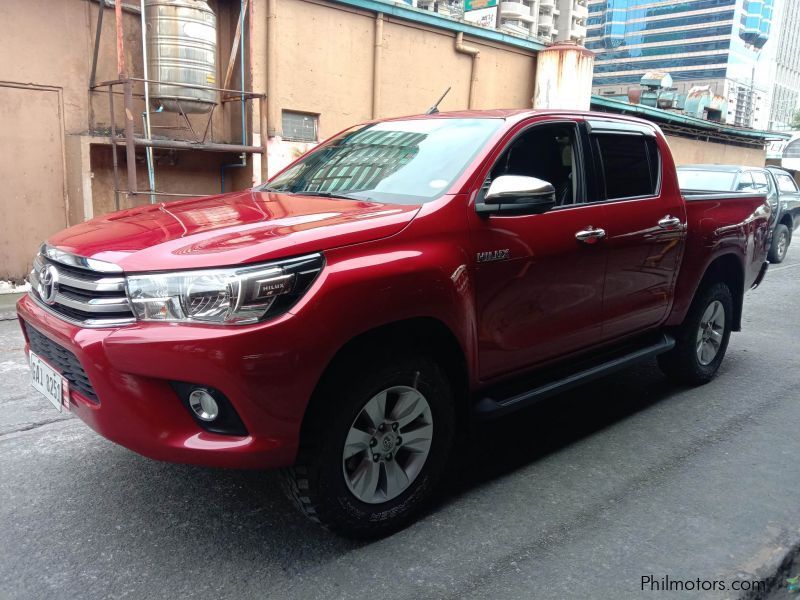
<point x="181" y="48"/>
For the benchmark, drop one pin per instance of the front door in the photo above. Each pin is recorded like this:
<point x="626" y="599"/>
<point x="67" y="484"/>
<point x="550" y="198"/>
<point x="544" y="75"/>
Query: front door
<point x="539" y="289"/>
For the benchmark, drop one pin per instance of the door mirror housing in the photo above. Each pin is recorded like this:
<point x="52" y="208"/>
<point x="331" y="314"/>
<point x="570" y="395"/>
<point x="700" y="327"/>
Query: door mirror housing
<point x="518" y="194"/>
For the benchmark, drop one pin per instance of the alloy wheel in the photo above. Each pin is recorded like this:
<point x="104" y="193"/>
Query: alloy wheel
<point x="710" y="333"/>
<point x="387" y="444"/>
<point x="782" y="245"/>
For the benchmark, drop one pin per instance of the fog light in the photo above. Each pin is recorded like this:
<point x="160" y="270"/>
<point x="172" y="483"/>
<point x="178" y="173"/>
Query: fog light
<point x="203" y="405"/>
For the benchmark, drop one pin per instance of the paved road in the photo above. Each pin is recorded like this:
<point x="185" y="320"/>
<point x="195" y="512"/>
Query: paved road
<point x="578" y="498"/>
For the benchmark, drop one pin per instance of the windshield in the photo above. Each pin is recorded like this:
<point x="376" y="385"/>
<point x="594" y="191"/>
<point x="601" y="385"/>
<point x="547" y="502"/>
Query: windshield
<point x="710" y="181"/>
<point x="404" y="162"/>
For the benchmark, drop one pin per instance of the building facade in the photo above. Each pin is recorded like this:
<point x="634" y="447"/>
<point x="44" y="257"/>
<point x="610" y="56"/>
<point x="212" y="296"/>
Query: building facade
<point x="718" y="43"/>
<point x="786" y="92"/>
<point x="550" y="20"/>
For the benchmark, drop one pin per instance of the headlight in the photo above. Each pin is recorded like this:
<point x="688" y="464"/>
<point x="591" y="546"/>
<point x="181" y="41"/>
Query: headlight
<point x="233" y="296"/>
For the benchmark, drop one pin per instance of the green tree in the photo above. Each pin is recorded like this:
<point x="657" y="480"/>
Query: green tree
<point x="796" y="120"/>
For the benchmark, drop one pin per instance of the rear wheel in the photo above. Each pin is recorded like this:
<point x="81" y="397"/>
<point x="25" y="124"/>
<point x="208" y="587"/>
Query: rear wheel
<point x="373" y="455"/>
<point x="702" y="340"/>
<point x="780" y="244"/>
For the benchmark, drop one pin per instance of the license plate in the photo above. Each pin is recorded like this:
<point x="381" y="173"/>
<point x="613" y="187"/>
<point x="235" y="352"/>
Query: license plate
<point x="49" y="382"/>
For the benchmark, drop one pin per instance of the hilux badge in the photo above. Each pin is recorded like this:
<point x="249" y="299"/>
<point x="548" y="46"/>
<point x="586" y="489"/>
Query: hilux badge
<point x="493" y="255"/>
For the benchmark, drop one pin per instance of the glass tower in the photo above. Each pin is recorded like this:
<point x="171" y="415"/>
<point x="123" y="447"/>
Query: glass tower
<point x="698" y="42"/>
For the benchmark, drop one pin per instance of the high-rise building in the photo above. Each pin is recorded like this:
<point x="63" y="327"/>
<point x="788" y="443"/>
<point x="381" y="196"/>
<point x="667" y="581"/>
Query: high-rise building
<point x="551" y="20"/>
<point x="786" y="92"/>
<point x="698" y="42"/>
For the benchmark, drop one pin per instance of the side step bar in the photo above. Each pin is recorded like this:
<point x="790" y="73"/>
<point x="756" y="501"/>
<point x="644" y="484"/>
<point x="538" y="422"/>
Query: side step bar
<point x="489" y="408"/>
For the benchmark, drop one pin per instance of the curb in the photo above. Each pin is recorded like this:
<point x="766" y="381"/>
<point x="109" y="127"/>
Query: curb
<point x="776" y="572"/>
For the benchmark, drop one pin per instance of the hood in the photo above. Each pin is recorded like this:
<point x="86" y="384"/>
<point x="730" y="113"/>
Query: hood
<point x="230" y="229"/>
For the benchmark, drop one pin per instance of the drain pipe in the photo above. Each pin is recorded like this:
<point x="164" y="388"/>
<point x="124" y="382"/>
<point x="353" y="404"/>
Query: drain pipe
<point x="376" y="65"/>
<point x="151" y="174"/>
<point x="243" y="156"/>
<point x="475" y="54"/>
<point x="273" y="110"/>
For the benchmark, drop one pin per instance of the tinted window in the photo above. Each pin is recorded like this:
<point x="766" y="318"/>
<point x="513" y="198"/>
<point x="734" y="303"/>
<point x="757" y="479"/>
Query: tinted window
<point x="786" y="183"/>
<point x="628" y="169"/>
<point x="760" y="181"/>
<point x="745" y="182"/>
<point x="547" y="152"/>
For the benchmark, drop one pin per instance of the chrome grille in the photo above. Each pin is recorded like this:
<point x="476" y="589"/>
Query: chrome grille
<point x="84" y="291"/>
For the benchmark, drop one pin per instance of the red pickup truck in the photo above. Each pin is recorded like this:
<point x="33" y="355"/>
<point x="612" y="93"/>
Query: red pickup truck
<point x="346" y="320"/>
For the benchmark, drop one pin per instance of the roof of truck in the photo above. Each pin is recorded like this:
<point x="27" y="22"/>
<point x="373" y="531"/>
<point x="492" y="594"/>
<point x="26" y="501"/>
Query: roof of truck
<point x="517" y="114"/>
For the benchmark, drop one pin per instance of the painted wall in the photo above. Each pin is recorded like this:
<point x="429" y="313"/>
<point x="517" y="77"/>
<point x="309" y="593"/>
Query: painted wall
<point x="325" y="59"/>
<point x="48" y="112"/>
<point x="322" y="63"/>
<point x="687" y="151"/>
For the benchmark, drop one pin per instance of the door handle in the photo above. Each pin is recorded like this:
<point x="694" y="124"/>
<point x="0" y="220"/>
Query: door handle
<point x="590" y="235"/>
<point x="669" y="222"/>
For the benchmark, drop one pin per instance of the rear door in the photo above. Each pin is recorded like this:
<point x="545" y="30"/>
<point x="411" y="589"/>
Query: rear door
<point x="645" y="230"/>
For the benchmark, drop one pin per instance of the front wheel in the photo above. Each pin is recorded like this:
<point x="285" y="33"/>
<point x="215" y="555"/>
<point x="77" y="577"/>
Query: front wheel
<point x="702" y="339"/>
<point x="375" y="446"/>
<point x="780" y="244"/>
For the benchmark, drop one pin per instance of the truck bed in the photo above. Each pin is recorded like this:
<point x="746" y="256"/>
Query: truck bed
<point x="693" y="195"/>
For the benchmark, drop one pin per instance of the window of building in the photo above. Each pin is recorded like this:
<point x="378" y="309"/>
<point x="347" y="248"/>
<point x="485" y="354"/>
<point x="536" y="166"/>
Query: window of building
<point x="630" y="165"/>
<point x="300" y="127"/>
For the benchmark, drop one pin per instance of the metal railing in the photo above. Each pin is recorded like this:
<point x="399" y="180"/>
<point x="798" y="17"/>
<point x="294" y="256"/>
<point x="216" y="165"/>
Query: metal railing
<point x="130" y="140"/>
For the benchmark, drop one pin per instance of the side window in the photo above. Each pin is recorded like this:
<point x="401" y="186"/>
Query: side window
<point x="760" y="181"/>
<point x="629" y="163"/>
<point x="547" y="151"/>
<point x="786" y="183"/>
<point x="745" y="183"/>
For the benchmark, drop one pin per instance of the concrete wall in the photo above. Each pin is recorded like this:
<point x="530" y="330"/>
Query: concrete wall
<point x="54" y="130"/>
<point x="325" y="60"/>
<point x="48" y="113"/>
<point x="322" y="62"/>
<point x="688" y="151"/>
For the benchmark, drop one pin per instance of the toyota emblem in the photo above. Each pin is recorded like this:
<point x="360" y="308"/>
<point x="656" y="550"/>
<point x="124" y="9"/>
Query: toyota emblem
<point x="48" y="285"/>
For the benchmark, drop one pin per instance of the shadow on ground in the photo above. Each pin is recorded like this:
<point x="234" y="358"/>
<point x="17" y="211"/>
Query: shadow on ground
<point x="244" y="515"/>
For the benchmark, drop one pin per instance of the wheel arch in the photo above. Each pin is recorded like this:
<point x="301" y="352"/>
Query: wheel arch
<point x="727" y="269"/>
<point x="425" y="334"/>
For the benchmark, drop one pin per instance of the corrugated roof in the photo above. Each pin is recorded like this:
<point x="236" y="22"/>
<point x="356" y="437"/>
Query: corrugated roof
<point x="701" y="125"/>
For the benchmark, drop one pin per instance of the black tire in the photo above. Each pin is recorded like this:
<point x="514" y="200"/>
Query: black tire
<point x="682" y="363"/>
<point x="316" y="483"/>
<point x="781" y="239"/>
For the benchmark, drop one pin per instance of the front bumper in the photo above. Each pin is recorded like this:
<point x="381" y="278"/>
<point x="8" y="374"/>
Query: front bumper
<point x="267" y="371"/>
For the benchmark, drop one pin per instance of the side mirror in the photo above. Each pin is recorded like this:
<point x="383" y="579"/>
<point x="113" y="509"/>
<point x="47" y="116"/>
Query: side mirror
<point x="518" y="194"/>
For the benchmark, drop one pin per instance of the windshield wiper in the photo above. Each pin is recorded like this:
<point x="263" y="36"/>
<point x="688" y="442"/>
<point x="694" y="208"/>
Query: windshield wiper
<point x="326" y="195"/>
<point x="316" y="194"/>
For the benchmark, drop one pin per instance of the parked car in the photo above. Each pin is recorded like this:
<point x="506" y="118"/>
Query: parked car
<point x="346" y="320"/>
<point x="779" y="185"/>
